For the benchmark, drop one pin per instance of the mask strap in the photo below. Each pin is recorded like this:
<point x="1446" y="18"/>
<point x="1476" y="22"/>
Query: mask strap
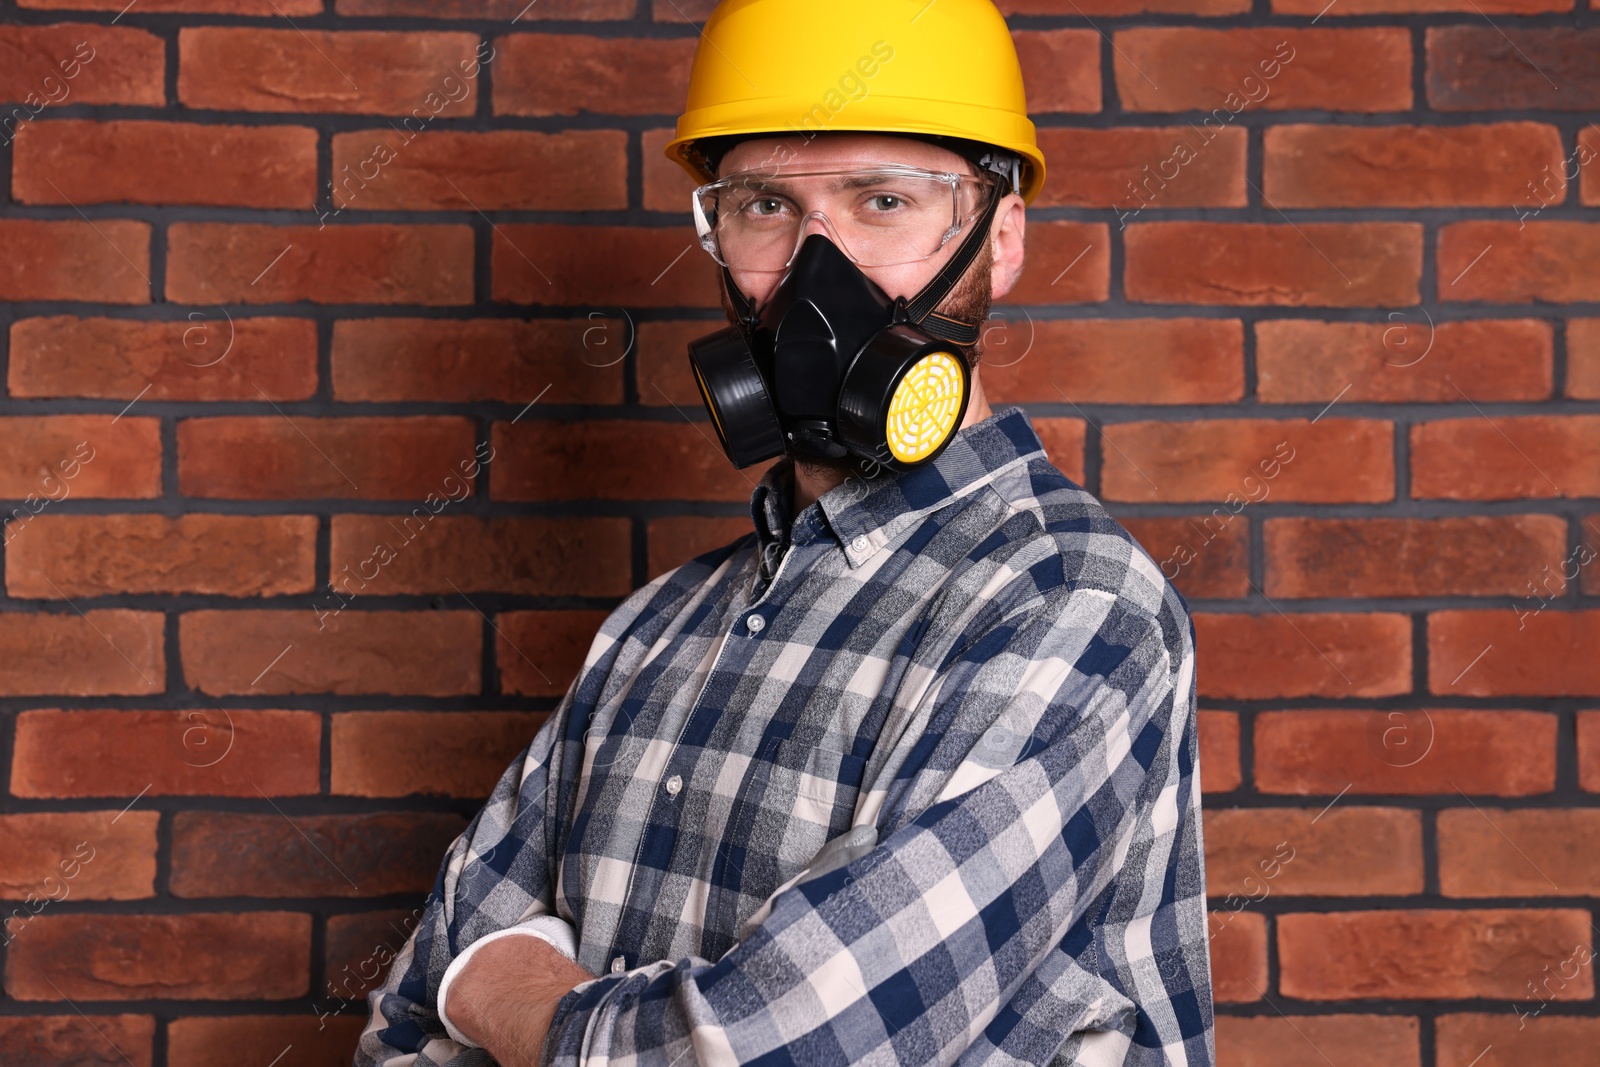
<point x="741" y="303"/>
<point x="919" y="310"/>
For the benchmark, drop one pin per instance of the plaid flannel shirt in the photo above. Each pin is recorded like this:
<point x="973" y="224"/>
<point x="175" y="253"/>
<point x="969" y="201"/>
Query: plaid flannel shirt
<point x="911" y="779"/>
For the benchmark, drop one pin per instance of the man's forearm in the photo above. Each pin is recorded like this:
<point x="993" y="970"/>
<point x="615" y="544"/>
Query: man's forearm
<point x="506" y="996"/>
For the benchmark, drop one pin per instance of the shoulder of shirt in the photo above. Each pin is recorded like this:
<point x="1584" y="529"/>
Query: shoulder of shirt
<point x="1078" y="546"/>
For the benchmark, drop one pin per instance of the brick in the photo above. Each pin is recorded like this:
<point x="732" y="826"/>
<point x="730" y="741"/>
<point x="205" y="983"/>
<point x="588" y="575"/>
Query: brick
<point x="1253" y="853"/>
<point x="1254" y="657"/>
<point x="1484" y="753"/>
<point x="434" y="653"/>
<point x="83" y="162"/>
<point x="1587" y="151"/>
<point x="1206" y="557"/>
<point x="615" y="459"/>
<point x="87" y="64"/>
<point x="1494" y="852"/>
<point x="1309" y="264"/>
<point x="264" y="8"/>
<point x="677" y="539"/>
<point x="263" y="955"/>
<point x="541" y="652"/>
<point x="570" y="74"/>
<point x="78" y="1040"/>
<point x="1126" y="7"/>
<point x="199" y="752"/>
<point x="1483" y="165"/>
<point x="1583" y="358"/>
<point x="103" y="262"/>
<point x="665" y="376"/>
<point x="420" y="75"/>
<point x="319" y="1040"/>
<point x="1513" y="1039"/>
<point x="1063" y="441"/>
<point x="439" y="753"/>
<point x="698" y="10"/>
<point x="1266" y="1040"/>
<point x="1506" y="457"/>
<point x="1476" y="555"/>
<point x="1069" y="262"/>
<point x="681" y="10"/>
<point x="1534" y="653"/>
<point x="1219" y="751"/>
<point x="579" y="170"/>
<point x="491" y="9"/>
<point x="1432" y="954"/>
<point x="1159" y="361"/>
<point x="277" y="457"/>
<point x="241" y="854"/>
<point x="1272" y="68"/>
<point x="384" y="555"/>
<point x="1545" y="262"/>
<point x="579" y="361"/>
<point x="360" y="949"/>
<point x="1474" y="68"/>
<point x="1404" y="359"/>
<point x="208" y="357"/>
<point x="77" y="855"/>
<point x="605" y="266"/>
<point x="1134" y="168"/>
<point x="55" y="457"/>
<point x="1244" y="461"/>
<point x="1238" y="956"/>
<point x="112" y="652"/>
<point x="1376" y="7"/>
<point x="1589" y="750"/>
<point x="667" y="185"/>
<point x="220" y="555"/>
<point x="1061" y="69"/>
<point x="217" y="262"/>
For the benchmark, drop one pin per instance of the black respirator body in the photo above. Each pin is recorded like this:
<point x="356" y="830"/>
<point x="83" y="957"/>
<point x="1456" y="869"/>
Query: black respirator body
<point x="832" y="367"/>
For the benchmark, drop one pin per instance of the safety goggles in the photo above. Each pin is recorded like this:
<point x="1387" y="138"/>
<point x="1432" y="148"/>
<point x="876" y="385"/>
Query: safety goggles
<point x="879" y="215"/>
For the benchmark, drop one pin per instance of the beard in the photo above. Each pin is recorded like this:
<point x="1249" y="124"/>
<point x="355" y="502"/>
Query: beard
<point x="968" y="302"/>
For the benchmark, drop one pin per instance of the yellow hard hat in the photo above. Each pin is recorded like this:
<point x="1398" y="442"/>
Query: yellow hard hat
<point x="939" y="69"/>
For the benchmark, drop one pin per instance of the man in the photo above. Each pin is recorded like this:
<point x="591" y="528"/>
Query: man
<point x="909" y="773"/>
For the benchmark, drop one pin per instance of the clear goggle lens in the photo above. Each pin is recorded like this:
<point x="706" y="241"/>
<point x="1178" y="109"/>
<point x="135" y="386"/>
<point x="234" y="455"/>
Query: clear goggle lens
<point x="879" y="216"/>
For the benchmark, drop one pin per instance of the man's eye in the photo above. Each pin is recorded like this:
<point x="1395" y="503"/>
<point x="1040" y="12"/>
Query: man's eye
<point x="878" y="201"/>
<point x="761" y="206"/>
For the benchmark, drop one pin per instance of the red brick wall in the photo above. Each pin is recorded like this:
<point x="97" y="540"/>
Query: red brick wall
<point x="1338" y="368"/>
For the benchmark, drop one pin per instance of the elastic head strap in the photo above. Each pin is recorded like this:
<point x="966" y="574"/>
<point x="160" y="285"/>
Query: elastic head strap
<point x="919" y="310"/>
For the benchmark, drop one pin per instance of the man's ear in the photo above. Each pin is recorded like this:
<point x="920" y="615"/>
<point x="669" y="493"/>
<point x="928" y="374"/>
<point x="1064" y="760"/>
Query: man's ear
<point x="1006" y="235"/>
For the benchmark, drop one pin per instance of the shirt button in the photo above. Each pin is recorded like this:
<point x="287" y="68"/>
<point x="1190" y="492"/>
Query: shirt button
<point x="619" y="965"/>
<point x="756" y="623"/>
<point x="674" y="784"/>
<point x="861" y="545"/>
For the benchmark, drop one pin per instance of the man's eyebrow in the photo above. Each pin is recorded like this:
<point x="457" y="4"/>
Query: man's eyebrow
<point x="845" y="181"/>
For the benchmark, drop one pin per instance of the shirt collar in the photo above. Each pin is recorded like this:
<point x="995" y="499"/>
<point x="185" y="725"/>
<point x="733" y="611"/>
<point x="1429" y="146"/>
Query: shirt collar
<point x="864" y="514"/>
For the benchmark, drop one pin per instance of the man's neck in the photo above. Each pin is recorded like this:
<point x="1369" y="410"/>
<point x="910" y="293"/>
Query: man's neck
<point x="811" y="481"/>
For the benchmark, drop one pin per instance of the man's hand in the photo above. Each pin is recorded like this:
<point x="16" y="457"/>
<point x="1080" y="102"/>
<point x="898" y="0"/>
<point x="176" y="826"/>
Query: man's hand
<point x="506" y="995"/>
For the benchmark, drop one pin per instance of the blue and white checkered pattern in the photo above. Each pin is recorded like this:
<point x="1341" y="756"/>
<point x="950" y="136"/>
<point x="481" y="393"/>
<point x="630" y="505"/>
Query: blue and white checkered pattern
<point x="912" y="781"/>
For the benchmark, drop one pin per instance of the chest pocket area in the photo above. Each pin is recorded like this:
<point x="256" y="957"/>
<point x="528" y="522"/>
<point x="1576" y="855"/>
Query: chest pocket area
<point x="823" y="784"/>
<point x="798" y="799"/>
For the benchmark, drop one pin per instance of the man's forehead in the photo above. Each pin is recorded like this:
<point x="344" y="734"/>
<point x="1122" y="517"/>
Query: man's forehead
<point x="834" y="150"/>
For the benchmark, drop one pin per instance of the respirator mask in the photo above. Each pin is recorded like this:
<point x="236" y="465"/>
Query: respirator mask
<point x="830" y="366"/>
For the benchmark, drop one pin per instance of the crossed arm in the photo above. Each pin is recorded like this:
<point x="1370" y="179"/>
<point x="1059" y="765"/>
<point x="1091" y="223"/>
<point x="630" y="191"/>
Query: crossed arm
<point x="928" y="946"/>
<point x="506" y="995"/>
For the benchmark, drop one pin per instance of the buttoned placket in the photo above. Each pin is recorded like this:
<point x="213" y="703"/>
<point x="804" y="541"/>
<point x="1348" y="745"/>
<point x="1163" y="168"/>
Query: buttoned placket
<point x="733" y="654"/>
